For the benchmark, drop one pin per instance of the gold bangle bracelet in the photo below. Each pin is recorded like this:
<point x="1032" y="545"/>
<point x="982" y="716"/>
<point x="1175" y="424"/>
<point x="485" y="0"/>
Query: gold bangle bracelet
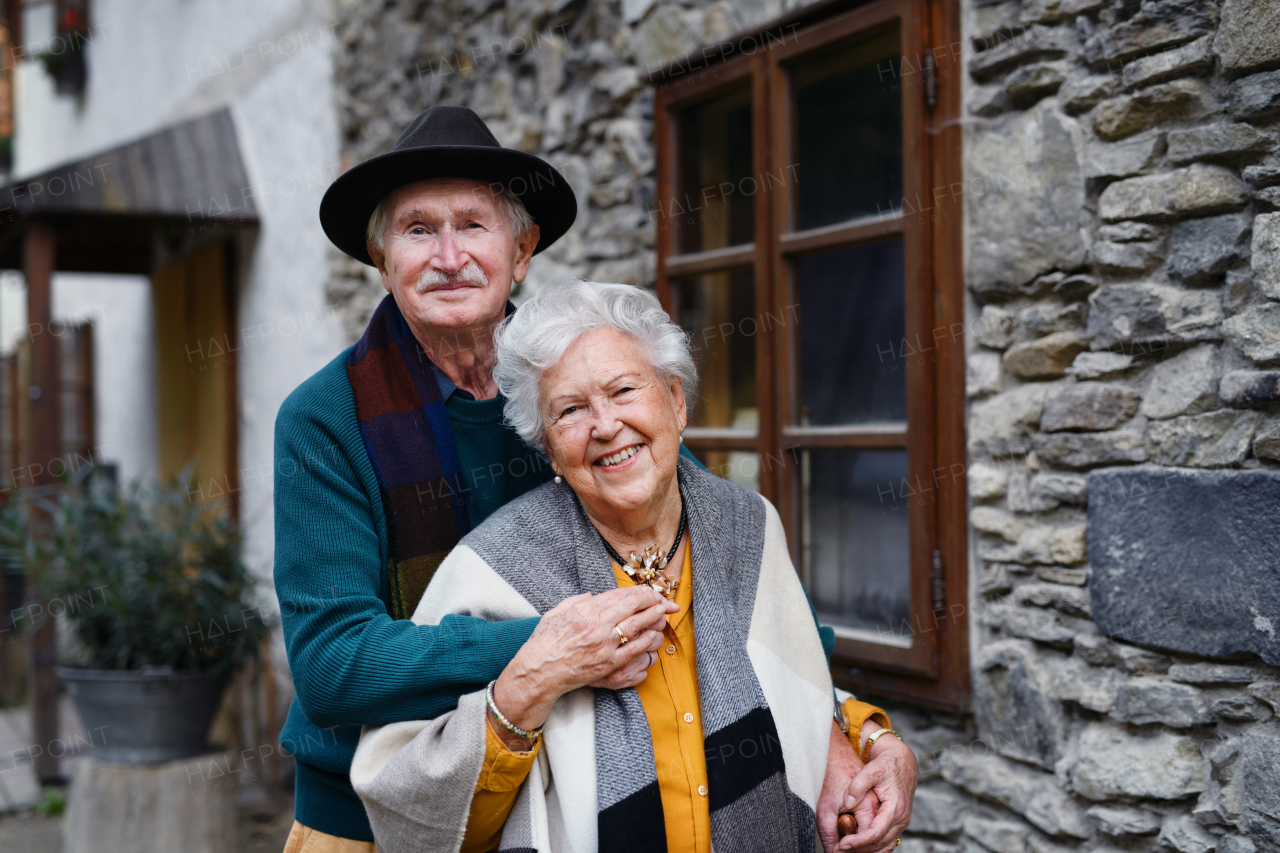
<point x="872" y="738"/>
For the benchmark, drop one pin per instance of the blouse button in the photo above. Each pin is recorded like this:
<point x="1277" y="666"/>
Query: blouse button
<point x="688" y="718"/>
<point x="671" y="650"/>
<point x="702" y="790"/>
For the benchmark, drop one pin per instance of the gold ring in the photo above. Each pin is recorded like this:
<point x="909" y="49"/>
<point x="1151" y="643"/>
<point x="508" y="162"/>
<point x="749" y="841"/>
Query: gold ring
<point x="622" y="638"/>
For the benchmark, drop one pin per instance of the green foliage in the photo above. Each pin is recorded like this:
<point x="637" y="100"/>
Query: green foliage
<point x="53" y="801"/>
<point x="148" y="578"/>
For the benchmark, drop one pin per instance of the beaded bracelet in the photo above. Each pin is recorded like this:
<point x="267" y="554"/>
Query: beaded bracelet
<point x="527" y="734"/>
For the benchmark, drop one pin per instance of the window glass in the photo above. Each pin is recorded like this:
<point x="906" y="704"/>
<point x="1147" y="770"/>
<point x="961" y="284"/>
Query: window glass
<point x="717" y="310"/>
<point x="736" y="466"/>
<point x="856" y="542"/>
<point x="848" y="136"/>
<point x="852" y="335"/>
<point x="713" y="206"/>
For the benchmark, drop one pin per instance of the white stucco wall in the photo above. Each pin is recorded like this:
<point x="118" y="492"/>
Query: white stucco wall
<point x="157" y="62"/>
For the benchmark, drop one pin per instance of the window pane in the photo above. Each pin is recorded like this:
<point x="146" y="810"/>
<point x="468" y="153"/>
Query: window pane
<point x="855" y="546"/>
<point x="848" y="108"/>
<point x="718" y="311"/>
<point x="713" y="205"/>
<point x="852" y="335"/>
<point x="736" y="466"/>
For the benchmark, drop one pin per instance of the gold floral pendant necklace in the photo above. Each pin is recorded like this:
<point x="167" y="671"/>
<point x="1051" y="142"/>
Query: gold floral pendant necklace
<point x="647" y="568"/>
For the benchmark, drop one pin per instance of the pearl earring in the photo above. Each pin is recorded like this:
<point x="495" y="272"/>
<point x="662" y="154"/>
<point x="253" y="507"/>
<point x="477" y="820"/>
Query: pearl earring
<point x="682" y="438"/>
<point x="559" y="479"/>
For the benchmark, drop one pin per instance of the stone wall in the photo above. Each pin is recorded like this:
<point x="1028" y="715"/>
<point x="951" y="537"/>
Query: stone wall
<point x="1122" y="258"/>
<point x="1123" y="261"/>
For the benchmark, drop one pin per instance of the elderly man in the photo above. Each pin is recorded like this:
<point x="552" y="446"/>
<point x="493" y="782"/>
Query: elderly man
<point x="397" y="449"/>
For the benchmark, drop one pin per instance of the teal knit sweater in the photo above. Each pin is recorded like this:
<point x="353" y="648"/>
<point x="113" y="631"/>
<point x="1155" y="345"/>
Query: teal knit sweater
<point x="352" y="664"/>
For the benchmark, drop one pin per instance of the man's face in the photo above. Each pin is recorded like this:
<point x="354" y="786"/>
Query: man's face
<point x="450" y="255"/>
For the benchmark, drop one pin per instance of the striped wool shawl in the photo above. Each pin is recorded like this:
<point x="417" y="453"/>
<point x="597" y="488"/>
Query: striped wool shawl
<point x="763" y="680"/>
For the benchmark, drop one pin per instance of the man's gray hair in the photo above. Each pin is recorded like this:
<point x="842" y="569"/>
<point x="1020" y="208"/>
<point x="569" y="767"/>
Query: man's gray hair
<point x="508" y="202"/>
<point x="536" y="336"/>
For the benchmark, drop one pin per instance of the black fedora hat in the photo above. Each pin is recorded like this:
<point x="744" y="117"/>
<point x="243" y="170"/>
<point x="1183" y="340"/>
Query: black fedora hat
<point x="445" y="142"/>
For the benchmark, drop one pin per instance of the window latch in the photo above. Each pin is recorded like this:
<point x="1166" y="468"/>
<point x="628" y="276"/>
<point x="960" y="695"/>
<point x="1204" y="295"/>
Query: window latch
<point x="930" y="79"/>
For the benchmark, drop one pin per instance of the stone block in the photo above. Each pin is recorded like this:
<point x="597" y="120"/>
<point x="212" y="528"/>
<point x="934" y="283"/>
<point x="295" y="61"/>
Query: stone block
<point x="998" y="836"/>
<point x="1124" y="258"/>
<point x="668" y="33"/>
<point x="982" y="373"/>
<point x="1090" y="449"/>
<point x="1089" y="406"/>
<point x="1266" y="691"/>
<point x="996" y="523"/>
<point x="1025" y="171"/>
<point x="1240" y="709"/>
<point x="1020" y="497"/>
<point x="1136" y="661"/>
<point x="993" y="23"/>
<point x="1096" y="650"/>
<point x="989" y="101"/>
<point x="1014" y="704"/>
<point x="1196" y="190"/>
<point x="1262" y="176"/>
<point x="1175" y="566"/>
<point x="1118" y="821"/>
<point x="1040" y="544"/>
<point x="1057" y="574"/>
<point x="1130" y="232"/>
<point x="1255" y="332"/>
<point x="1082" y="91"/>
<point x="1184" y="834"/>
<point x="1034" y="795"/>
<point x="998" y="426"/>
<point x="938" y="809"/>
<point x="1254" y="97"/>
<point x="1158" y="24"/>
<point x="1265" y="260"/>
<point x="148" y="809"/>
<point x="1096" y="365"/>
<point x="986" y="481"/>
<point x="994" y="327"/>
<point x="1127" y="314"/>
<point x="1186" y="384"/>
<point x="1035" y="42"/>
<point x="1200" y="250"/>
<point x="1046" y="317"/>
<point x="995" y="579"/>
<point x="1146" y="700"/>
<point x="1057" y="10"/>
<point x="1238" y="290"/>
<point x="1072" y="601"/>
<point x="1229" y="141"/>
<point x="1259" y="786"/>
<point x="1269" y="196"/>
<point x="1250" y="387"/>
<point x="1266" y="440"/>
<point x="1075" y="286"/>
<point x="1071" y="489"/>
<point x="1248" y="35"/>
<point x="1039" y="625"/>
<point x="1125" y="115"/>
<point x="1111" y="763"/>
<point x="1090" y="687"/>
<point x="1236" y="844"/>
<point x="1210" y="673"/>
<point x="1030" y="83"/>
<point x="1212" y="440"/>
<point x="1191" y="58"/>
<point x="1044" y="357"/>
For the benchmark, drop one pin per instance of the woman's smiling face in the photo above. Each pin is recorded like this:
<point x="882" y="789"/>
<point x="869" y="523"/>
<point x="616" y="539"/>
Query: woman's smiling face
<point x="613" y="424"/>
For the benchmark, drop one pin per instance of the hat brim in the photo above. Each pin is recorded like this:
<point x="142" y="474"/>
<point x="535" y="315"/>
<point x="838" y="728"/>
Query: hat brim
<point x="352" y="198"/>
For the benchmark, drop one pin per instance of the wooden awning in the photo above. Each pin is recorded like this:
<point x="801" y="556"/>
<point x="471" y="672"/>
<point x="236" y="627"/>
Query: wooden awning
<point x="111" y="211"/>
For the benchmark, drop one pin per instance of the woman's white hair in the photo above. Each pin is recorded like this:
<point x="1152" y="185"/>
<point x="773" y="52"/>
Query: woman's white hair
<point x="536" y="336"/>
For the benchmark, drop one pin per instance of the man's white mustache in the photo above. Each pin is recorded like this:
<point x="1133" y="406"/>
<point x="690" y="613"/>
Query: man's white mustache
<point x="471" y="272"/>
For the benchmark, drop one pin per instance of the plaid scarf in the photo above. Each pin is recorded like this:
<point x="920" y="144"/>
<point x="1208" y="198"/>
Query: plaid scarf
<point x="406" y="433"/>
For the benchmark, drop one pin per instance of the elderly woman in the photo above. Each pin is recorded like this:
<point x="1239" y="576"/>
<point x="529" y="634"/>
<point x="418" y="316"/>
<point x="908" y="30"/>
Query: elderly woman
<point x="725" y="742"/>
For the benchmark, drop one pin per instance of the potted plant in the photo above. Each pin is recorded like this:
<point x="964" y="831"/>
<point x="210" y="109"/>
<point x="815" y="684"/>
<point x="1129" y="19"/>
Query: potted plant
<point x="161" y="604"/>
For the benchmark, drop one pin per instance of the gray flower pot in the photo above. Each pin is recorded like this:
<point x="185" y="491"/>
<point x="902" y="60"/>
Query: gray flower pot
<point x="147" y="716"/>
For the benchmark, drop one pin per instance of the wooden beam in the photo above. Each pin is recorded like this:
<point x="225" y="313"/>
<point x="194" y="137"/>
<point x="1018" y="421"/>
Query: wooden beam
<point x="43" y="449"/>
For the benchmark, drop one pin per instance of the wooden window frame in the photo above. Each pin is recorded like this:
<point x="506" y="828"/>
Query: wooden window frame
<point x="934" y="671"/>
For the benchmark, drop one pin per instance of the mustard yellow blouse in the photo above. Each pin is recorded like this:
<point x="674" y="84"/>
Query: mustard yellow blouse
<point x="671" y="702"/>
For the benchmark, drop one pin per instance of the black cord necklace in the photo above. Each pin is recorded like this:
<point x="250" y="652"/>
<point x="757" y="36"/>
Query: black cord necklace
<point x="647" y="568"/>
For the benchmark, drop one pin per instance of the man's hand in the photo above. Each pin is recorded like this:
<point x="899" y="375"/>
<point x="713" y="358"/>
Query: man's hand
<point x="891" y="777"/>
<point x="843" y="764"/>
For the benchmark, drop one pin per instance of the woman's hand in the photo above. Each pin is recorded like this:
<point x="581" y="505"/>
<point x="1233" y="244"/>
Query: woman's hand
<point x="890" y="777"/>
<point x="576" y="644"/>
